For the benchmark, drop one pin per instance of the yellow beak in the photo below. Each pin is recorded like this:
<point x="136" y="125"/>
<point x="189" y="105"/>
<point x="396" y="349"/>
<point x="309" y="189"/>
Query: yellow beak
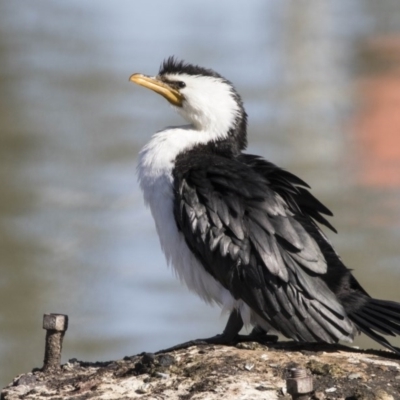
<point x="171" y="94"/>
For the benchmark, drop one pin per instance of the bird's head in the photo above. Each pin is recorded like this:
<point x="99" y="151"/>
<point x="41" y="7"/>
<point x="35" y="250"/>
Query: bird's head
<point x="203" y="97"/>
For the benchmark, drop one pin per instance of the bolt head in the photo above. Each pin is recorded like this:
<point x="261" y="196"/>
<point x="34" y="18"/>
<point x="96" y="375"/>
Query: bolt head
<point x="55" y="322"/>
<point x="299" y="385"/>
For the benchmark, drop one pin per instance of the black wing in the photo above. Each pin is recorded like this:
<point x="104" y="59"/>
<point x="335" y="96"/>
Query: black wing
<point x="248" y="232"/>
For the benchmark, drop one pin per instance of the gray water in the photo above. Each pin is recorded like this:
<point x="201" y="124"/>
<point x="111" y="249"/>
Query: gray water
<point x="75" y="237"/>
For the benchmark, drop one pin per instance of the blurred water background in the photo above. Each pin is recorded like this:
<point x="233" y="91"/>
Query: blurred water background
<point x="317" y="79"/>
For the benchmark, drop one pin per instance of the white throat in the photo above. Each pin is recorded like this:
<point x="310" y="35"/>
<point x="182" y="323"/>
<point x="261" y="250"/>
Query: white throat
<point x="209" y="105"/>
<point x="157" y="158"/>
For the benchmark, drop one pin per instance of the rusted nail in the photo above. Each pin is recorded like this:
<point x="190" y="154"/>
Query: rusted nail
<point x="299" y="385"/>
<point x="56" y="326"/>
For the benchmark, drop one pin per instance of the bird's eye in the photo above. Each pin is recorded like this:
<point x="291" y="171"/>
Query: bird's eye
<point x="180" y="84"/>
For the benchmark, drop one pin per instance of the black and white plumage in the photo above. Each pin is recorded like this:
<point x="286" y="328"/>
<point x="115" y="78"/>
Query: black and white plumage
<point x="241" y="232"/>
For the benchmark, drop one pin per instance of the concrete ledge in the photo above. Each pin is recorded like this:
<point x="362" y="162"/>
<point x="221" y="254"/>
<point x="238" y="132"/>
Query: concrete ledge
<point x="247" y="371"/>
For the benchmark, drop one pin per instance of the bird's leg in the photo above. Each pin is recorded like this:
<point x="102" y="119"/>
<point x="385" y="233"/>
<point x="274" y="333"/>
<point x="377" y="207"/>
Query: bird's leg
<point x="232" y="328"/>
<point x="230" y="335"/>
<point x="258" y="334"/>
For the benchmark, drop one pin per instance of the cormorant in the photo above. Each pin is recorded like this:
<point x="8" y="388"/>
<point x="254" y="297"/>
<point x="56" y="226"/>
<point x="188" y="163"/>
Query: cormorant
<point x="242" y="232"/>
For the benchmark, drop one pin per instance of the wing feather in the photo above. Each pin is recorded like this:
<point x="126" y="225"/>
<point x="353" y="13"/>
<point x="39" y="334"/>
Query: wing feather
<point x="241" y="218"/>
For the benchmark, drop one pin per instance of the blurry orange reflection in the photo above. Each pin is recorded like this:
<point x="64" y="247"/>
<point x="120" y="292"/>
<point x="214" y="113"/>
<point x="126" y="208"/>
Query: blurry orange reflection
<point x="377" y="124"/>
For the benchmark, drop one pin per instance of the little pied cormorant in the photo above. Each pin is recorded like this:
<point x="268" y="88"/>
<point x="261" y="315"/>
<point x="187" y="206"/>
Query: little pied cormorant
<point x="242" y="232"/>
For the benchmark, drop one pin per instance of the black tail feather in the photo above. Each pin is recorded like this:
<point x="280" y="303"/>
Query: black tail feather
<point x="379" y="316"/>
<point x="376" y="323"/>
<point x="393" y="328"/>
<point x="389" y="308"/>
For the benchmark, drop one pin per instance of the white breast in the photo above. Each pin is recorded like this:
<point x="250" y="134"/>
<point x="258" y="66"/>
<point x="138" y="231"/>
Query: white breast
<point x="156" y="163"/>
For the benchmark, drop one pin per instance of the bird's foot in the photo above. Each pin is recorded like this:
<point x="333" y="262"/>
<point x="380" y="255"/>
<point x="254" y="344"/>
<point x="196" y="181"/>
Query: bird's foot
<point x="217" y="339"/>
<point x="229" y="337"/>
<point x="260" y="335"/>
<point x="225" y="340"/>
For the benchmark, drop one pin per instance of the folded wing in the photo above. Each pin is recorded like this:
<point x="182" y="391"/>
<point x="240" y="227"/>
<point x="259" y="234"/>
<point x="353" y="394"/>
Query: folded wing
<point x="248" y="232"/>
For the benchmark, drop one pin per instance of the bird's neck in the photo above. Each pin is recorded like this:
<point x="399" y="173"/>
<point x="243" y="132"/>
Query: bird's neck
<point x="224" y="124"/>
<point x="159" y="155"/>
<point x="213" y="140"/>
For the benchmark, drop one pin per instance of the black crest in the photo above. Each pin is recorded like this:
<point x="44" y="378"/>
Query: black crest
<point x="173" y="66"/>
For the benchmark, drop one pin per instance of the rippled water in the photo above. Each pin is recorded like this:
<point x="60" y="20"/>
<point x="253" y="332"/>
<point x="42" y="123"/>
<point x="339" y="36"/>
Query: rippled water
<point x="75" y="237"/>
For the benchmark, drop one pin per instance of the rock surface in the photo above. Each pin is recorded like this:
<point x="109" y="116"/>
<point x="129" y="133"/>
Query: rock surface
<point x="247" y="371"/>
